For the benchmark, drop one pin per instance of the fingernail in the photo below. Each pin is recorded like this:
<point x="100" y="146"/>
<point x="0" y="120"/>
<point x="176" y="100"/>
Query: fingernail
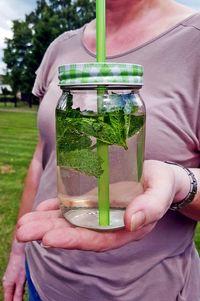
<point x="137" y="220"/>
<point x="43" y="246"/>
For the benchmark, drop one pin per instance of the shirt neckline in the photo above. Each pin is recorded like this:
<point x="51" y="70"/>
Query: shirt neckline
<point x="139" y="46"/>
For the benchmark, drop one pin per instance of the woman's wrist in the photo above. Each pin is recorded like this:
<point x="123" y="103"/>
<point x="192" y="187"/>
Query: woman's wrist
<point x="182" y="198"/>
<point x="17" y="247"/>
<point x="182" y="183"/>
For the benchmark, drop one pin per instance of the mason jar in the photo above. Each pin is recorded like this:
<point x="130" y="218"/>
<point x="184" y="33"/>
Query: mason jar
<point x="100" y="134"/>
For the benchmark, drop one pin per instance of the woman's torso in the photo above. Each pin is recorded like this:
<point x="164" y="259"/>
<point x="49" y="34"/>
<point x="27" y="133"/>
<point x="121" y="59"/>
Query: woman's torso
<point x="165" y="261"/>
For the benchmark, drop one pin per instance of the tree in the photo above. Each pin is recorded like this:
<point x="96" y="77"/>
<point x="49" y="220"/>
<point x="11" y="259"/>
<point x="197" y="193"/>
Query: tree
<point x="24" y="52"/>
<point x="16" y="52"/>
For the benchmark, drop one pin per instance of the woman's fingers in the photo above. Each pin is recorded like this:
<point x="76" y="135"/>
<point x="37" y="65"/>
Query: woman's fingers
<point x="37" y="216"/>
<point x="149" y="207"/>
<point x="36" y="229"/>
<point x="84" y="239"/>
<point x="8" y="291"/>
<point x="56" y="232"/>
<point x="19" y="292"/>
<point x="50" y="204"/>
<point x="14" y="289"/>
<point x="14" y="277"/>
<point x="145" y="209"/>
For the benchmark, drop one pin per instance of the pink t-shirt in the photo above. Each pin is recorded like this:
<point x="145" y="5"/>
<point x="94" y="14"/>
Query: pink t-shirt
<point x="164" y="265"/>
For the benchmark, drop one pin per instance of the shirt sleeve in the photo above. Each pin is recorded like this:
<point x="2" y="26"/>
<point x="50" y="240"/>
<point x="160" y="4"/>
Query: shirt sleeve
<point x="43" y="73"/>
<point x="46" y="70"/>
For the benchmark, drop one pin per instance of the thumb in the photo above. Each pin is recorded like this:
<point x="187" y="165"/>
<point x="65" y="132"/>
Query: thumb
<point x="146" y="209"/>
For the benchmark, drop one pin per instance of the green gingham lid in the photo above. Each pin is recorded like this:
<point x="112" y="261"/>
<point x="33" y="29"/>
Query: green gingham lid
<point x="100" y="73"/>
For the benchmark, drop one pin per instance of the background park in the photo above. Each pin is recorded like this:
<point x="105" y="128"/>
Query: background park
<point x="22" y="54"/>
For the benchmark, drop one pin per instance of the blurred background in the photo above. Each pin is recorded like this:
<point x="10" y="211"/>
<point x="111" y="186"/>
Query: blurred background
<point x="26" y="30"/>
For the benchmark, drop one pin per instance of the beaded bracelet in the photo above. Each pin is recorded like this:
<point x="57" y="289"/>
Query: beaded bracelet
<point x="192" y="192"/>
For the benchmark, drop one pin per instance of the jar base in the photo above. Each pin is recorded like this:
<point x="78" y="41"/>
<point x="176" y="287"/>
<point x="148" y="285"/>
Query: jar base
<point x="88" y="218"/>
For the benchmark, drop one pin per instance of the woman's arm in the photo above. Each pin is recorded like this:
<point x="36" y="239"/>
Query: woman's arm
<point x="14" y="277"/>
<point x="32" y="180"/>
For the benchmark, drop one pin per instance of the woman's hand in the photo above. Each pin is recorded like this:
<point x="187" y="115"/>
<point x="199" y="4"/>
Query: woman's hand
<point x="143" y="212"/>
<point x="14" y="277"/>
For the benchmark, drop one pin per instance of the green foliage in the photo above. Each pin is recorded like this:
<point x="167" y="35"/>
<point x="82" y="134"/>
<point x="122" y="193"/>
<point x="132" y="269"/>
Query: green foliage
<point x="24" y="52"/>
<point x="76" y="131"/>
<point x="16" y="54"/>
<point x="75" y="150"/>
<point x="69" y="138"/>
<point x="83" y="160"/>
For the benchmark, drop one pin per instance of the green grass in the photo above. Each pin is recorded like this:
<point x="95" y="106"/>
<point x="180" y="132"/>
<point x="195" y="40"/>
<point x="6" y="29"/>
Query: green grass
<point x="197" y="238"/>
<point x="18" y="137"/>
<point x="20" y="105"/>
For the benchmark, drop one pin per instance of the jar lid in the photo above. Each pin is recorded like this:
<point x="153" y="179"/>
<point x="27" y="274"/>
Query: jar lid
<point x="100" y="73"/>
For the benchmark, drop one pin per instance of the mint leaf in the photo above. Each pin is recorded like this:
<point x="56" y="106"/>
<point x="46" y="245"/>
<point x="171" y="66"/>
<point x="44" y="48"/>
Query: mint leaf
<point x="82" y="160"/>
<point x="116" y="120"/>
<point x="136" y="123"/>
<point x="110" y="131"/>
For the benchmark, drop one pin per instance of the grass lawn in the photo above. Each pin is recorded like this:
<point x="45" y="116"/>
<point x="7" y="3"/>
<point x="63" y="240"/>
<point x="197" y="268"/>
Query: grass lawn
<point x="23" y="107"/>
<point x="18" y="137"/>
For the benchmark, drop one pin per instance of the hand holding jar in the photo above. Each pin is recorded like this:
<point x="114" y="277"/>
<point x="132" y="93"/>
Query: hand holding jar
<point x="161" y="183"/>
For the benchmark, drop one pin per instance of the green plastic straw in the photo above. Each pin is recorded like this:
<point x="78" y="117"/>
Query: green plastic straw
<point x="102" y="148"/>
<point x="101" y="31"/>
<point x="140" y="154"/>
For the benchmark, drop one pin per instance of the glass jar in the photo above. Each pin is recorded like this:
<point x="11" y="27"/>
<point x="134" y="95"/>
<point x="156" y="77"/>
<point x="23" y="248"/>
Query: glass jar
<point x="100" y="133"/>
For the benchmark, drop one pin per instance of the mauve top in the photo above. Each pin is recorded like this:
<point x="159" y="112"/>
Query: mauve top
<point x="164" y="266"/>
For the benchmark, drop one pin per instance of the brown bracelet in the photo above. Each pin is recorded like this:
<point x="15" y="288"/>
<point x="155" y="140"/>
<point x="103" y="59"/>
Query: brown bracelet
<point x="192" y="192"/>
